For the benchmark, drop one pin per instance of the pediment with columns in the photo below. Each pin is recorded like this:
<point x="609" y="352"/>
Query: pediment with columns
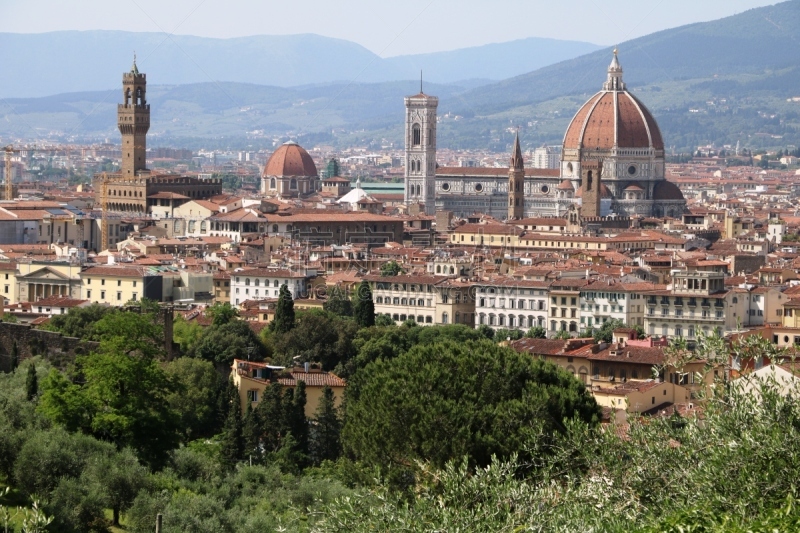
<point x="45" y="274"/>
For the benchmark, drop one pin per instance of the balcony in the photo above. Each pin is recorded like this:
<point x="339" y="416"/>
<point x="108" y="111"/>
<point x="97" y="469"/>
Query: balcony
<point x="692" y="302"/>
<point x="651" y="301"/>
<point x="705" y="303"/>
<point x="679" y="301"/>
<point x="665" y="302"/>
<point x="719" y="304"/>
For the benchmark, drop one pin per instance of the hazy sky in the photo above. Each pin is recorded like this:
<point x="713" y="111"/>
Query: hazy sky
<point x="387" y="27"/>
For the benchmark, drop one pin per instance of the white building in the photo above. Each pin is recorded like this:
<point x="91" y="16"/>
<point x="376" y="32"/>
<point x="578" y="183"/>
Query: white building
<point x="262" y="283"/>
<point x="546" y="157"/>
<point x="602" y="301"/>
<point x="511" y="303"/>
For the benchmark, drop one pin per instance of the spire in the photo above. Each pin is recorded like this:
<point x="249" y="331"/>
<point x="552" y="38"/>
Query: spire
<point x="134" y="68"/>
<point x="614" y="81"/>
<point x="516" y="155"/>
<point x="420" y="82"/>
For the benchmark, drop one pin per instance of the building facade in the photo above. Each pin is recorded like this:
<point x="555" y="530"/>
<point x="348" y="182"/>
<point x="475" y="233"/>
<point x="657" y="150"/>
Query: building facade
<point x="613" y="132"/>
<point x="420" y="156"/>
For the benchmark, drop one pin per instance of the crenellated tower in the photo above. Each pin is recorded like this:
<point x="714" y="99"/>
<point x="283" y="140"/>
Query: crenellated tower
<point x="516" y="183"/>
<point x="133" y="120"/>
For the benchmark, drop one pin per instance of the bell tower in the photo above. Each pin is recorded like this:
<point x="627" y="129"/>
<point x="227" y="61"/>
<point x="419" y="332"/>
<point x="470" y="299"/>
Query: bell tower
<point x="133" y="120"/>
<point x="420" y="156"/>
<point x="516" y="183"/>
<point x="590" y="185"/>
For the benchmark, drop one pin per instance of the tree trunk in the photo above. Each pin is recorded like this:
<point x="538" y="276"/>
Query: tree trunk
<point x="116" y="517"/>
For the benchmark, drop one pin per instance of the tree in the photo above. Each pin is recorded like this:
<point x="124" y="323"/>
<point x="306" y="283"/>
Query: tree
<point x="186" y="334"/>
<point x="284" y="311"/>
<point x="562" y="335"/>
<point x="232" y="340"/>
<point x="318" y="336"/>
<point x="120" y="477"/>
<point x="79" y="321"/>
<point x="536" y="332"/>
<point x="324" y="437"/>
<point x="606" y="331"/>
<point x="298" y="425"/>
<point x="14" y="356"/>
<point x="384" y="320"/>
<point x="444" y="401"/>
<point x="364" y="309"/>
<point x="391" y="268"/>
<point x="194" y="397"/>
<point x="506" y="334"/>
<point x="232" y="442"/>
<point x="221" y="313"/>
<point x="251" y="433"/>
<point x="338" y="303"/>
<point x="486" y="331"/>
<point x="31" y="383"/>
<point x="120" y="398"/>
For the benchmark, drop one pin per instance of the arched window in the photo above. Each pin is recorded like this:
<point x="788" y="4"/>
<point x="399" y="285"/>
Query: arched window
<point x="420" y="318"/>
<point x="438" y="269"/>
<point x="274" y="228"/>
<point x="272" y="183"/>
<point x="247" y="281"/>
<point x="379" y="300"/>
<point x="458" y="317"/>
<point x="589" y="181"/>
<point x="293" y="184"/>
<point x="416" y="135"/>
<point x="444" y="318"/>
<point x="275" y="283"/>
<point x="257" y="282"/>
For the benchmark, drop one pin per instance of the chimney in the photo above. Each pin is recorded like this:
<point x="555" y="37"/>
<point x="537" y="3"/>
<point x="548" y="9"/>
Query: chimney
<point x="306" y="366"/>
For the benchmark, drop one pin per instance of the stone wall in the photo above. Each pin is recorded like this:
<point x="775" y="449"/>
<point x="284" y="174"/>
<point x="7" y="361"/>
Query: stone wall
<point x="54" y="347"/>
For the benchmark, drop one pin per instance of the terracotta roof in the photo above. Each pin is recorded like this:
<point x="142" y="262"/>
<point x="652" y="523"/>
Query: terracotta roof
<point x="666" y="190"/>
<point x="59" y="301"/>
<point x="269" y="273"/>
<point x="565" y="185"/>
<point x="613" y="118"/>
<point x="115" y="271"/>
<point x="604" y="191"/>
<point x="290" y="160"/>
<point x="312" y="379"/>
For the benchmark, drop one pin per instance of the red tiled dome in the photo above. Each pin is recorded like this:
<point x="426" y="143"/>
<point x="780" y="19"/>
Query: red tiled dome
<point x="290" y="160"/>
<point x="613" y="117"/>
<point x="565" y="185"/>
<point x="666" y="190"/>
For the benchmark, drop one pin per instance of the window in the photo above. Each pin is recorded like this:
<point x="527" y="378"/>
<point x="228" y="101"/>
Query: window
<point x="134" y="297"/>
<point x="444" y="318"/>
<point x="119" y="296"/>
<point x="252" y="396"/>
<point x="88" y="295"/>
<point x="119" y="283"/>
<point x="102" y="282"/>
<point x="102" y="295"/>
<point x="416" y="135"/>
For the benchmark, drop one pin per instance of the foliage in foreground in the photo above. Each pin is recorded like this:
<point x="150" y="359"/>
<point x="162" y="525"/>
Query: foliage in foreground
<point x="733" y="469"/>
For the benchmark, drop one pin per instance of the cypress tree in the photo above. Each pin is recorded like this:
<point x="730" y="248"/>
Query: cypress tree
<point x="270" y="417"/>
<point x="364" y="309"/>
<point x="284" y="311"/>
<point x="338" y="303"/>
<point x="14" y="356"/>
<point x="299" y="423"/>
<point x="324" y="440"/>
<point x="232" y="442"/>
<point x="252" y="434"/>
<point x="31" y="383"/>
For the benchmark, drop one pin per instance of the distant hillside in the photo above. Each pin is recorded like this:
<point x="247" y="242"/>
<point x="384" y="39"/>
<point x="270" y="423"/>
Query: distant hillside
<point x="71" y="61"/>
<point x="760" y="41"/>
<point x="492" y="61"/>
<point x="717" y="82"/>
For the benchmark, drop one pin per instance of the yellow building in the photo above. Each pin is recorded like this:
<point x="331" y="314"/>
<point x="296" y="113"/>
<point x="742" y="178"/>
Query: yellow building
<point x="640" y="396"/>
<point x="8" y="274"/>
<point x="118" y="284"/>
<point x="252" y="379"/>
<point x="43" y="279"/>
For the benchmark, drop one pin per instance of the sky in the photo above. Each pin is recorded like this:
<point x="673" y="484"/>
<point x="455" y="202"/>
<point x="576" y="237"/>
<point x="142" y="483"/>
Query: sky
<point x="386" y="27"/>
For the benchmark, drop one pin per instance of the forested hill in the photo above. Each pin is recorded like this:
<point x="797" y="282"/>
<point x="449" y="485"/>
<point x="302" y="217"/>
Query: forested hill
<point x="761" y="41"/>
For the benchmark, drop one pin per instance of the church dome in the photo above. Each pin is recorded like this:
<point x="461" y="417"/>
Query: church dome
<point x="666" y="190"/>
<point x="565" y="185"/>
<point x="613" y="118"/>
<point x="290" y="159"/>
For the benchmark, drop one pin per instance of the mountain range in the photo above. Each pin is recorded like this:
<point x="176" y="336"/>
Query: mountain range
<point x="44" y="64"/>
<point x="729" y="80"/>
